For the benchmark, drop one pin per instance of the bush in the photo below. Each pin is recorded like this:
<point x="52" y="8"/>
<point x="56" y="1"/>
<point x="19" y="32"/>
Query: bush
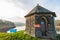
<point x="58" y="37"/>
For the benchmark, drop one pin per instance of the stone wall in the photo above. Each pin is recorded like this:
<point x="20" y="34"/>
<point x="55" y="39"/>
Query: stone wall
<point x="30" y="21"/>
<point x="50" y="27"/>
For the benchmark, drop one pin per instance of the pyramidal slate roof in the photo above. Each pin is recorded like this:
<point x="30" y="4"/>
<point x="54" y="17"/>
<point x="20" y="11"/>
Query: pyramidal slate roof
<point x="40" y="9"/>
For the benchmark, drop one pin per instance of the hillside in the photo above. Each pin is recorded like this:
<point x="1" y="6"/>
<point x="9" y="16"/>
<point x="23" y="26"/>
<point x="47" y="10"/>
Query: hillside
<point x="58" y="25"/>
<point x="6" y="25"/>
<point x="17" y="36"/>
<point x="18" y="21"/>
<point x="19" y="24"/>
<point x="58" y="22"/>
<point x="20" y="36"/>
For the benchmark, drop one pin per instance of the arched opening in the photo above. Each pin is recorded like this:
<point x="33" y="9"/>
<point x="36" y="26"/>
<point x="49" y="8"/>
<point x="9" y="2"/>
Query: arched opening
<point x="43" y="23"/>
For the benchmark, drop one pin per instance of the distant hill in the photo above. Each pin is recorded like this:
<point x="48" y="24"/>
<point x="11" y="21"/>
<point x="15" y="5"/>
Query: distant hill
<point x="6" y="25"/>
<point x="19" y="24"/>
<point x="58" y="22"/>
<point x="18" y="21"/>
<point x="58" y="25"/>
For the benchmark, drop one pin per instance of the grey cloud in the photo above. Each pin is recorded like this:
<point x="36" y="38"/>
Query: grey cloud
<point x="53" y="5"/>
<point x="28" y="4"/>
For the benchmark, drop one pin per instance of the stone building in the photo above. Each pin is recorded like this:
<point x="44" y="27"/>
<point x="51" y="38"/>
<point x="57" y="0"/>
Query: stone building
<point x="40" y="22"/>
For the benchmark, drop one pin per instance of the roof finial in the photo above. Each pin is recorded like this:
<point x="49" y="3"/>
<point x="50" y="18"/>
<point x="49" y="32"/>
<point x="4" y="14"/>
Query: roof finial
<point x="37" y="4"/>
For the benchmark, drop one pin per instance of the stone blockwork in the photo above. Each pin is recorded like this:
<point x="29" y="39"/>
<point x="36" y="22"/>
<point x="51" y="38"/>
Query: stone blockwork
<point x="30" y="29"/>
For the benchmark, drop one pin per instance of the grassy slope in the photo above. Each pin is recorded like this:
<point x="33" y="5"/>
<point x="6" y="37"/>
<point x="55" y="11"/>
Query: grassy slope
<point x="19" y="36"/>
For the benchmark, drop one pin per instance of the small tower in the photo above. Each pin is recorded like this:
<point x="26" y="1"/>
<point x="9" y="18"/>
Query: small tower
<point x="40" y="22"/>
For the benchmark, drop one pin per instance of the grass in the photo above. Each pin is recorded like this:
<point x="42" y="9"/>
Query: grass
<point x="17" y="36"/>
<point x="20" y="36"/>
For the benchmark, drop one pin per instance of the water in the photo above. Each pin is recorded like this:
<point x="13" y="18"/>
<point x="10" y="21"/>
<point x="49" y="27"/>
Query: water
<point x="58" y="32"/>
<point x="19" y="28"/>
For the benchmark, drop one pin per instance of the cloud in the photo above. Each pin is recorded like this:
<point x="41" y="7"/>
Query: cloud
<point x="57" y="11"/>
<point x="28" y="4"/>
<point x="20" y="8"/>
<point x="54" y="5"/>
<point x="9" y="9"/>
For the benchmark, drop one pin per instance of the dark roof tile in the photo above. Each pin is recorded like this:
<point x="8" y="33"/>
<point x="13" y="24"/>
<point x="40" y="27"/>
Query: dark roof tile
<point x="40" y="9"/>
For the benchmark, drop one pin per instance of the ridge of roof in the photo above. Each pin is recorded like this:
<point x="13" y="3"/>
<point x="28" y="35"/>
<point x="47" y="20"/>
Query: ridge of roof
<point x="39" y="9"/>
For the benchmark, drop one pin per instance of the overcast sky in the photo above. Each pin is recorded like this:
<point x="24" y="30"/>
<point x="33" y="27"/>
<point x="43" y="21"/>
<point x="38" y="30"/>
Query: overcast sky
<point x="13" y="8"/>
